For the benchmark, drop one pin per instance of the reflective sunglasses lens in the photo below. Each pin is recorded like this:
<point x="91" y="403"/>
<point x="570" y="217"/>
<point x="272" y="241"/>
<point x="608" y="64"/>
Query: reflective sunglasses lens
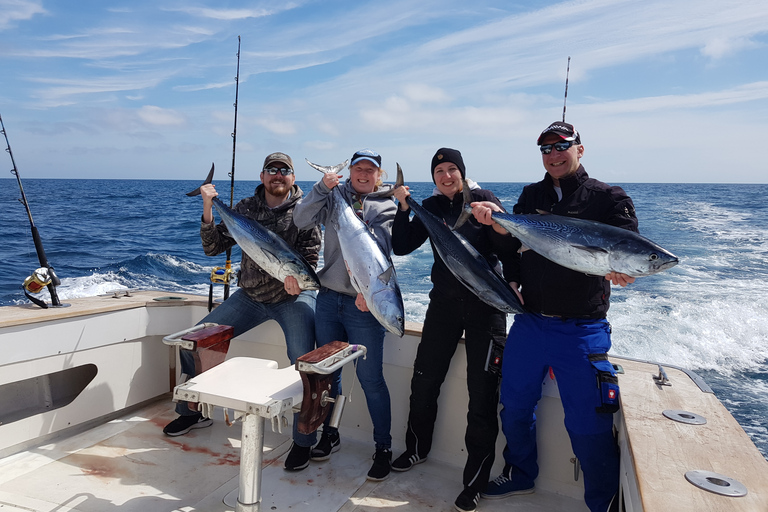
<point x="545" y="149"/>
<point x="563" y="146"/>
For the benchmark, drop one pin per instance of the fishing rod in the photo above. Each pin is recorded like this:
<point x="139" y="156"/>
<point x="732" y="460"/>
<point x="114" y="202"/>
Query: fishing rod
<point x="567" y="72"/>
<point x="223" y="275"/>
<point x="44" y="276"/>
<point x="228" y="264"/>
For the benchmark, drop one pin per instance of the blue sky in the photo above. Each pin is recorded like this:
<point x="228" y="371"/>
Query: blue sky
<point x="662" y="91"/>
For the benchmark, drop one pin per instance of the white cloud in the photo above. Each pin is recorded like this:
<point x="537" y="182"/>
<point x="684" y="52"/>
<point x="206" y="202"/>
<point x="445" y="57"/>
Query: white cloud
<point x="278" y="126"/>
<point x="225" y="14"/>
<point x="158" y="116"/>
<point x="424" y="93"/>
<point x="12" y="11"/>
<point x="722" y="47"/>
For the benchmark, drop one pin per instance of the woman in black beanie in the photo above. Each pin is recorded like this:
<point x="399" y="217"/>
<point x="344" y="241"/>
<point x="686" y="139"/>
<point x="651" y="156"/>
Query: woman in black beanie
<point x="453" y="309"/>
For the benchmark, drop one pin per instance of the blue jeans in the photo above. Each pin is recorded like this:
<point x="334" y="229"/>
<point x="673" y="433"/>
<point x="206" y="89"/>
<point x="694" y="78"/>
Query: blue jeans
<point x="296" y="317"/>
<point x="534" y="344"/>
<point x="338" y="319"/>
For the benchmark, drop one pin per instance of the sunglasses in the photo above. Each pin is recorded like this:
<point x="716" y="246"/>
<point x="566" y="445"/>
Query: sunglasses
<point x="274" y="170"/>
<point x="560" y="146"/>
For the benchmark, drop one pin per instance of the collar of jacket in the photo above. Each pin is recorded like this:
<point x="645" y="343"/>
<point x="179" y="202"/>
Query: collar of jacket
<point x="569" y="184"/>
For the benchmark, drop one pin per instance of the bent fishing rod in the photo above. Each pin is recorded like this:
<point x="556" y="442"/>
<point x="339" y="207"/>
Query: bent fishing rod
<point x="567" y="72"/>
<point x="228" y="264"/>
<point x="45" y="276"/>
<point x="223" y="275"/>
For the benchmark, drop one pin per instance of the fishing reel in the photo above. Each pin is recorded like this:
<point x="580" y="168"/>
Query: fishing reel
<point x="39" y="279"/>
<point x="221" y="275"/>
<point x="37" y="282"/>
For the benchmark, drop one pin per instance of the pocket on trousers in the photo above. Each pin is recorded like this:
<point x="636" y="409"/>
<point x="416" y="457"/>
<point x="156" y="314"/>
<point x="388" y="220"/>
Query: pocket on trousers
<point x="607" y="383"/>
<point x="495" y="355"/>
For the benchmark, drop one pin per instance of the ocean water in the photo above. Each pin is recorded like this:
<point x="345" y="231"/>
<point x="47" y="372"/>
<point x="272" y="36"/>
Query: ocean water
<point x="708" y="314"/>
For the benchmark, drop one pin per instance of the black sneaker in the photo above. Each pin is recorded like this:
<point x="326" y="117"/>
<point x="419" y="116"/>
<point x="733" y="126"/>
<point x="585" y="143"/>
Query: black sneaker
<point x="184" y="424"/>
<point x="406" y="461"/>
<point x="381" y="465"/>
<point x="506" y="484"/>
<point x="329" y="443"/>
<point x="467" y="500"/>
<point x="298" y="458"/>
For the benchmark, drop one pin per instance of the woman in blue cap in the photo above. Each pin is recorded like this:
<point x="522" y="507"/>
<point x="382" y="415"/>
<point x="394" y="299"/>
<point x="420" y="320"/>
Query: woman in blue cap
<point x="341" y="313"/>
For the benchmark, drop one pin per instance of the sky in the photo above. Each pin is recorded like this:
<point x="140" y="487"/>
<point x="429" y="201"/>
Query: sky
<point x="661" y="91"/>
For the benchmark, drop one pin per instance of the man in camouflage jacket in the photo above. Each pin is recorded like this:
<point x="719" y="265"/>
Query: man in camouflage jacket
<point x="260" y="297"/>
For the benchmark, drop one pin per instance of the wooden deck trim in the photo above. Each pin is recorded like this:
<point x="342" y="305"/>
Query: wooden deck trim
<point x="664" y="450"/>
<point x="29" y="313"/>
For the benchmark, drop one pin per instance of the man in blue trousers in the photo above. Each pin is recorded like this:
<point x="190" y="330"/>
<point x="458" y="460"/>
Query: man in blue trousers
<point x="565" y="329"/>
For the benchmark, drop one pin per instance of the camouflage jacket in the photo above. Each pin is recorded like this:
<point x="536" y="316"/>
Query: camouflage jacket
<point x="259" y="285"/>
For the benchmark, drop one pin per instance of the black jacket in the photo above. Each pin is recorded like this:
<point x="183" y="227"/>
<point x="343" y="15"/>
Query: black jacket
<point x="549" y="288"/>
<point x="409" y="235"/>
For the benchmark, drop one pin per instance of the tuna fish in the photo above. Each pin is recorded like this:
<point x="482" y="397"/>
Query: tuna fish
<point x="370" y="270"/>
<point x="593" y="248"/>
<point x="463" y="260"/>
<point x="268" y="250"/>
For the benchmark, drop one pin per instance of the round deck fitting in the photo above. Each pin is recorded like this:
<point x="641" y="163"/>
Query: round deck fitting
<point x="716" y="483"/>
<point x="686" y="417"/>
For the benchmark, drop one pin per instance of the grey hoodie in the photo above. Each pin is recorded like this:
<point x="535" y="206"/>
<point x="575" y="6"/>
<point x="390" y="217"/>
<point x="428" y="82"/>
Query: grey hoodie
<point x="378" y="213"/>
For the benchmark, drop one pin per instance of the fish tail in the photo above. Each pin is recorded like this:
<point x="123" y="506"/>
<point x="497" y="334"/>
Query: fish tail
<point x="399" y="181"/>
<point x="327" y="169"/>
<point x="209" y="179"/>
<point x="466" y="210"/>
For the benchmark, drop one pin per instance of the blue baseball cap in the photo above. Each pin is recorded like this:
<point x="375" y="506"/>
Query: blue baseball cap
<point x="366" y="154"/>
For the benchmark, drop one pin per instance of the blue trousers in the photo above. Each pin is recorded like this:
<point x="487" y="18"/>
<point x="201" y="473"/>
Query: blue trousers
<point x="296" y="317"/>
<point x="536" y="343"/>
<point x="338" y="319"/>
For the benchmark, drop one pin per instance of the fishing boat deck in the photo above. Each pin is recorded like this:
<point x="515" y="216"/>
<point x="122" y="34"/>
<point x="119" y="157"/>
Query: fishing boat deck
<point x="98" y="445"/>
<point x="128" y="464"/>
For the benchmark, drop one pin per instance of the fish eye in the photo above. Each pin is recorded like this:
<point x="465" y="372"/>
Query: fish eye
<point x="654" y="256"/>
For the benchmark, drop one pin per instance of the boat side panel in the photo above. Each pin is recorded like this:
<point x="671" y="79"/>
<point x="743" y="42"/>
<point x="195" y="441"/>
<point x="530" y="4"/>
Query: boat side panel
<point x="128" y="373"/>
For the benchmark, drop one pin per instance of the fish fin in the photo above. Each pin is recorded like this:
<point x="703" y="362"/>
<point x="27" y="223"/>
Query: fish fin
<point x="523" y="248"/>
<point x="543" y="212"/>
<point x="327" y="169"/>
<point x="209" y="179"/>
<point x="590" y="249"/>
<point x="386" y="276"/>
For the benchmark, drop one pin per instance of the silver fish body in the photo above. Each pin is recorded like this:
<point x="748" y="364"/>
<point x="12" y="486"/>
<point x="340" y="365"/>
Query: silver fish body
<point x="466" y="264"/>
<point x="266" y="249"/>
<point x="371" y="272"/>
<point x="587" y="246"/>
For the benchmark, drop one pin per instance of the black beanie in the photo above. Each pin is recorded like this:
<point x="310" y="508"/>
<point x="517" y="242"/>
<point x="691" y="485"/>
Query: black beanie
<point x="448" y="155"/>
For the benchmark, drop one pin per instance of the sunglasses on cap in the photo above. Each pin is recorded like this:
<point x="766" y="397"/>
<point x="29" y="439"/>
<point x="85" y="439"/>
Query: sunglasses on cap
<point x="560" y="146"/>
<point x="285" y="171"/>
